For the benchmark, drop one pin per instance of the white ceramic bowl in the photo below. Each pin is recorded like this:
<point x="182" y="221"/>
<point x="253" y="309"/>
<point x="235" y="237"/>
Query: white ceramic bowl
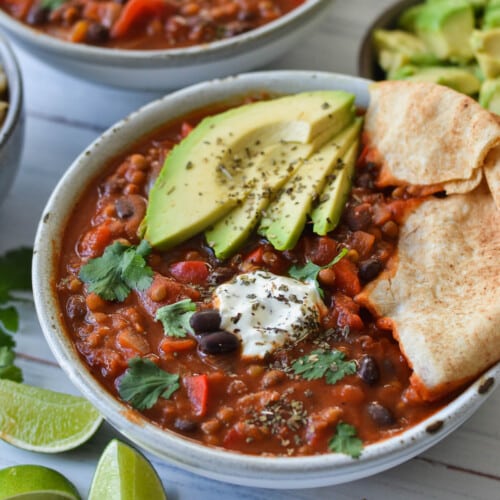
<point x="12" y="128"/>
<point x="172" y="68"/>
<point x="279" y="472"/>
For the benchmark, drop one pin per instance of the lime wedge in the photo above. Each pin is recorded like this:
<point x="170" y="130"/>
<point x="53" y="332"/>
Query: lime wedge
<point x="34" y="482"/>
<point x="125" y="474"/>
<point x="41" y="420"/>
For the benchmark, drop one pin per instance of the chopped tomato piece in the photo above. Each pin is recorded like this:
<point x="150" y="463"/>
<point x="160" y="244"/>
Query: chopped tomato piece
<point x="346" y="277"/>
<point x="186" y="129"/>
<point x="347" y="312"/>
<point x="363" y="243"/>
<point x="323" y="250"/>
<point x="190" y="271"/>
<point x="197" y="389"/>
<point x="137" y="11"/>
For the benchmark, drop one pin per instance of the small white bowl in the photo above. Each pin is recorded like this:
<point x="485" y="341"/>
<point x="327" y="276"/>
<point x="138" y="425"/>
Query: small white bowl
<point x="172" y="68"/>
<point x="269" y="472"/>
<point x="12" y="128"/>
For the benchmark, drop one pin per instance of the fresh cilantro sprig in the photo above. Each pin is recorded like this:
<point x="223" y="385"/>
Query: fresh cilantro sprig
<point x="310" y="271"/>
<point x="52" y="4"/>
<point x="15" y="276"/>
<point x="346" y="441"/>
<point x="175" y="317"/>
<point x="143" y="383"/>
<point x="329" y="364"/>
<point x="120" y="269"/>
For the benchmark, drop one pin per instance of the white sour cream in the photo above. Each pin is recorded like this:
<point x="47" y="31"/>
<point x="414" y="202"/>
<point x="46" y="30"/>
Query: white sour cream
<point x="266" y="311"/>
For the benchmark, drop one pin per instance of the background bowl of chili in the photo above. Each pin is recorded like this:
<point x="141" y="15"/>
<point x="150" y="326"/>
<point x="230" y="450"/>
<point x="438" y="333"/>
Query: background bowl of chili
<point x="136" y="65"/>
<point x="215" y="462"/>
<point x="12" y="124"/>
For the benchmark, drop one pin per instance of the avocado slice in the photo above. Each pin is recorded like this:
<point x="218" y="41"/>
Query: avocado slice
<point x="489" y="96"/>
<point x="326" y="215"/>
<point x="286" y="216"/>
<point x="397" y="48"/>
<point x="462" y="80"/>
<point x="407" y="20"/>
<point x="486" y="46"/>
<point x="230" y="232"/>
<point x="207" y="173"/>
<point x="445" y="26"/>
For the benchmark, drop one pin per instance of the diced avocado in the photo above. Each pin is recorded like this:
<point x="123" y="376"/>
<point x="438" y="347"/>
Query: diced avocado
<point x="408" y="18"/>
<point x="286" y="216"/>
<point x="230" y="232"/>
<point x="206" y="174"/>
<point x="445" y="27"/>
<point x="491" y="19"/>
<point x="489" y="96"/>
<point x="486" y="46"/>
<point x="462" y="80"/>
<point x="397" y="48"/>
<point x="326" y="215"/>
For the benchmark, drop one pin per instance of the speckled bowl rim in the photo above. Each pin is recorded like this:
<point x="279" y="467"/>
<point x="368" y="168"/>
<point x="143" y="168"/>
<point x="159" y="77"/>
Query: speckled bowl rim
<point x="176" y="57"/>
<point x="216" y="463"/>
<point x="15" y="90"/>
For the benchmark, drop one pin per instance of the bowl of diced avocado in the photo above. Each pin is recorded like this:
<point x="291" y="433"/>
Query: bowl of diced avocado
<point x="455" y="43"/>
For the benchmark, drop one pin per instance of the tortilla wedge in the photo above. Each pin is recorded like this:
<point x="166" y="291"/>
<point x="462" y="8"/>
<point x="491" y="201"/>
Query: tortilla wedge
<point x="429" y="135"/>
<point x="442" y="291"/>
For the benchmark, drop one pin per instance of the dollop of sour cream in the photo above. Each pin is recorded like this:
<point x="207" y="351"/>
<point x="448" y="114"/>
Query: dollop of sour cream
<point x="267" y="311"/>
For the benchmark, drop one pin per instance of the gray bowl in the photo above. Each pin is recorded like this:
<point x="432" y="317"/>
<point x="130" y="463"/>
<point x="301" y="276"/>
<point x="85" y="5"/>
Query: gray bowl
<point x="367" y="58"/>
<point x="12" y="128"/>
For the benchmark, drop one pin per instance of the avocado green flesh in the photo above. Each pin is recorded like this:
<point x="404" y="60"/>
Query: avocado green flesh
<point x="486" y="46"/>
<point x="286" y="216"/>
<point x="460" y="79"/>
<point x="275" y="167"/>
<point x="326" y="215"/>
<point x="445" y="27"/>
<point x="207" y="174"/>
<point x="489" y="97"/>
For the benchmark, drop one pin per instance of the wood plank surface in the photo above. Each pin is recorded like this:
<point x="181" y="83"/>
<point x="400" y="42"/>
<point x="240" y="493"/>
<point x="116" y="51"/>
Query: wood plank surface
<point x="64" y="115"/>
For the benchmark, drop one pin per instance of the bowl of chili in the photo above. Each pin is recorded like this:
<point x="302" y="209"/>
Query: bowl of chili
<point x="267" y="423"/>
<point x="158" y="44"/>
<point x="11" y="117"/>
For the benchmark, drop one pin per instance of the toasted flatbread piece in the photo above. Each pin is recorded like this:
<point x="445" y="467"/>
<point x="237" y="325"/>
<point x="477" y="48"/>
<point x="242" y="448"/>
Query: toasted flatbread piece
<point x="492" y="174"/>
<point x="428" y="135"/>
<point x="442" y="294"/>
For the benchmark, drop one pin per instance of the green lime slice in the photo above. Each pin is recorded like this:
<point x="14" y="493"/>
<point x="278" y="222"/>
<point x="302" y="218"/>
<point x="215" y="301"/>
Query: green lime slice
<point x="41" y="420"/>
<point x="125" y="474"/>
<point x="34" y="482"/>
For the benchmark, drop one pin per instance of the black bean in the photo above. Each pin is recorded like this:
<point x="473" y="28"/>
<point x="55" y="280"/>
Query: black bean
<point x="218" y="342"/>
<point x="368" y="370"/>
<point x="76" y="307"/>
<point x="205" y="321"/>
<point x="97" y="33"/>
<point x="380" y="414"/>
<point x="359" y="217"/>
<point x="184" y="425"/>
<point x="369" y="269"/>
<point x="124" y="208"/>
<point x="365" y="180"/>
<point x="37" y="15"/>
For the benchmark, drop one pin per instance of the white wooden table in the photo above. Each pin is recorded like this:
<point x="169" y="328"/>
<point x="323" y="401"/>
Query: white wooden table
<point x="63" y="116"/>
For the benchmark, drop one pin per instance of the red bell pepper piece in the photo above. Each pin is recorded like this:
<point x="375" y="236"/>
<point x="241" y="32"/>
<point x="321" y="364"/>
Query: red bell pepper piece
<point x="136" y="11"/>
<point x="197" y="389"/>
<point x="190" y="271"/>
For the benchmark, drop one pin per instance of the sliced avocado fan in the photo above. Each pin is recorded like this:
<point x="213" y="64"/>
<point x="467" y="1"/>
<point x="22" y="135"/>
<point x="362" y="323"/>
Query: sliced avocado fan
<point x="286" y="216"/>
<point x="213" y="169"/>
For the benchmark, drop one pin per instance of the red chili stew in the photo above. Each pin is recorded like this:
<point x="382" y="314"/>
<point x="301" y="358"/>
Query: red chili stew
<point x="255" y="407"/>
<point x="146" y="24"/>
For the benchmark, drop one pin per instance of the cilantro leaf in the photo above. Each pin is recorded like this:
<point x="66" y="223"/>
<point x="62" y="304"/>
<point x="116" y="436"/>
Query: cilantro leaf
<point x="120" y="269"/>
<point x="143" y="383"/>
<point x="10" y="318"/>
<point x="175" y="317"/>
<point x="15" y="272"/>
<point x="329" y="364"/>
<point x="6" y="340"/>
<point x="52" y="4"/>
<point x="346" y="441"/>
<point x="7" y="368"/>
<point x="310" y="271"/>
